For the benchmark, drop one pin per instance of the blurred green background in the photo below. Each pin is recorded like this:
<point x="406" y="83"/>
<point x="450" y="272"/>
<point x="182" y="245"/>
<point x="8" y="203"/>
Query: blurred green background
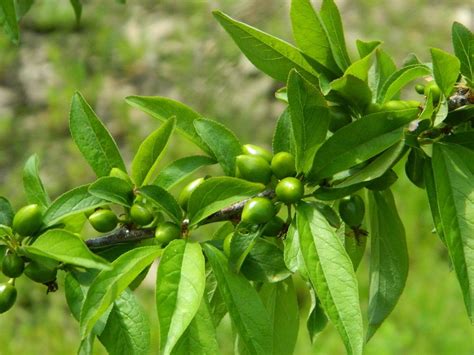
<point x="176" y="49"/>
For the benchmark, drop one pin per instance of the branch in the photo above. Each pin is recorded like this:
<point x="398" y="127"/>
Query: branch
<point x="125" y="234"/>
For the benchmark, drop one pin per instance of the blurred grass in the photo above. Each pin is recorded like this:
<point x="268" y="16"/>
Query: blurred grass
<point x="176" y="49"/>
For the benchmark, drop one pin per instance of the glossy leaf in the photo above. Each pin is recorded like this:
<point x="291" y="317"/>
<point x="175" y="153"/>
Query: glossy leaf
<point x="354" y="91"/>
<point x="222" y="142"/>
<point x="216" y="193"/>
<point x="388" y="258"/>
<point x="445" y="69"/>
<point x="113" y="189"/>
<point x="292" y="250"/>
<point x="332" y="275"/>
<point x="179" y="289"/>
<point x="8" y="20"/>
<point x="149" y="153"/>
<point x="400" y="79"/>
<point x="34" y="189"/>
<point x="463" y="44"/>
<point x="92" y="138"/>
<point x="244" y="239"/>
<point x="283" y="137"/>
<point x="249" y="316"/>
<point x="360" y="68"/>
<point x="163" y="199"/>
<point x="6" y="212"/>
<point x="366" y="47"/>
<point x="330" y="193"/>
<point x="384" y="68"/>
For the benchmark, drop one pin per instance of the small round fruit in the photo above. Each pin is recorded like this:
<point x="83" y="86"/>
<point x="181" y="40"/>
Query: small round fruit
<point x="186" y="192"/>
<point x="434" y="89"/>
<point x="253" y="168"/>
<point x="251" y="149"/>
<point x="227" y="242"/>
<point x="258" y="210"/>
<point x="140" y="214"/>
<point x="7" y="297"/>
<point x="165" y="232"/>
<point x="283" y="165"/>
<point x="273" y="227"/>
<point x="28" y="220"/>
<point x="13" y="265"/>
<point x="103" y="220"/>
<point x="420" y="89"/>
<point x="289" y="190"/>
<point x="352" y="210"/>
<point x="338" y="118"/>
<point x="39" y="273"/>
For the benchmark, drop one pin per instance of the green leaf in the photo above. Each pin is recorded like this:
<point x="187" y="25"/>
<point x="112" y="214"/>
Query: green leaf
<point x="292" y="250"/>
<point x="92" y="138"/>
<point x="332" y="22"/>
<point x="365" y="48"/>
<point x="360" y="68"/>
<point x="6" y="212"/>
<point x="388" y="258"/>
<point x="453" y="168"/>
<point x="433" y="198"/>
<point x="72" y="202"/>
<point x="163" y="199"/>
<point x="317" y="320"/>
<point x="244" y="239"/>
<point x="466" y="139"/>
<point x="355" y="245"/>
<point x="463" y="44"/>
<point x="247" y="312"/>
<point x="9" y="20"/>
<point x="283" y="137"/>
<point x="149" y="153"/>
<point x="445" y="69"/>
<point x="310" y="35"/>
<point x="179" y="289"/>
<point x="281" y="302"/>
<point x="359" y="141"/>
<point x="330" y="193"/>
<point x="399" y="79"/>
<point x="332" y="275"/>
<point x="309" y="119"/>
<point x="163" y="108"/>
<point x="66" y="247"/>
<point x="271" y="55"/>
<point x="200" y="336"/>
<point x="384" y="68"/>
<point x="353" y="90"/>
<point x="113" y="189"/>
<point x="34" y="190"/>
<point x="216" y="193"/>
<point x="222" y="141"/>
<point x="180" y="169"/>
<point x="109" y="284"/>
<point x="22" y="7"/>
<point x="77" y="7"/>
<point x="414" y="167"/>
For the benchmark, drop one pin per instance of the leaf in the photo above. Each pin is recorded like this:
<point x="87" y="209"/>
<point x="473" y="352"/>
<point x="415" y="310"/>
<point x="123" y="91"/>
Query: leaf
<point x="359" y="141"/>
<point x="453" y="168"/>
<point x="109" y="284"/>
<point x="384" y="68"/>
<point x="355" y="245"/>
<point x="281" y="302"/>
<point x="222" y="142"/>
<point x="66" y="247"/>
<point x="388" y="258"/>
<point x="283" y="137"/>
<point x="148" y="155"/>
<point x="414" y="167"/>
<point x="247" y="312"/>
<point x="310" y="35"/>
<point x="72" y="202"/>
<point x="399" y="79"/>
<point x="113" y="189"/>
<point x="216" y="193"/>
<point x="365" y="48"/>
<point x="332" y="22"/>
<point x="6" y="212"/>
<point x="463" y="40"/>
<point x="271" y="55"/>
<point x="445" y="69"/>
<point x="466" y="139"/>
<point x="292" y="251"/>
<point x="34" y="190"/>
<point x="163" y="108"/>
<point x="433" y="198"/>
<point x="317" y="320"/>
<point x="179" y="289"/>
<point x="330" y="193"/>
<point x="22" y="7"/>
<point x="180" y="169"/>
<point x="77" y="6"/>
<point x="163" y="199"/>
<point x="8" y="20"/>
<point x="243" y="240"/>
<point x="92" y="138"/>
<point x="332" y="275"/>
<point x="360" y="68"/>
<point x="353" y="90"/>
<point x="309" y="118"/>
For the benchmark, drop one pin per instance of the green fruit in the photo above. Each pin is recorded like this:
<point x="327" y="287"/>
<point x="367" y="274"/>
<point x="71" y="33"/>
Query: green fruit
<point x="253" y="168"/>
<point x="352" y="210"/>
<point x="227" y="242"/>
<point x="400" y="105"/>
<point x="118" y="173"/>
<point x="186" y="192"/>
<point x="338" y="118"/>
<point x="39" y="273"/>
<point x="273" y="227"/>
<point x="251" y="149"/>
<point x="258" y="210"/>
<point x="7" y="297"/>
<point x="434" y="89"/>
<point x="283" y="165"/>
<point x="373" y="108"/>
<point x="289" y="190"/>
<point x="103" y="220"/>
<point x="13" y="265"/>
<point x="420" y="89"/>
<point x="165" y="232"/>
<point x="28" y="220"/>
<point x="140" y="214"/>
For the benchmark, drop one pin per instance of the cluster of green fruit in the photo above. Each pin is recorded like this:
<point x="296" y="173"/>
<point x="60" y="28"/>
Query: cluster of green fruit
<point x="26" y="223"/>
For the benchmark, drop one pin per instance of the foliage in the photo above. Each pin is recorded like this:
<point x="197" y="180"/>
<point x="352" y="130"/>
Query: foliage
<point x="197" y="283"/>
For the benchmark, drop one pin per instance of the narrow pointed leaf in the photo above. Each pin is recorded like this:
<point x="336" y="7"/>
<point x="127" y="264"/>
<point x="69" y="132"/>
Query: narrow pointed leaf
<point x="34" y="189"/>
<point x="163" y="199"/>
<point x="399" y="79"/>
<point x="317" y="320"/>
<point x="283" y="137"/>
<point x="431" y="192"/>
<point x="463" y="43"/>
<point x="6" y="212"/>
<point x="113" y="189"/>
<point x="384" y="67"/>
<point x="77" y="6"/>
<point x="445" y="69"/>
<point x="8" y="20"/>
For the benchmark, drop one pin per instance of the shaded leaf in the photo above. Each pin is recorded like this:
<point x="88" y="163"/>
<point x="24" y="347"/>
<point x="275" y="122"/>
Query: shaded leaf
<point x="283" y="137"/>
